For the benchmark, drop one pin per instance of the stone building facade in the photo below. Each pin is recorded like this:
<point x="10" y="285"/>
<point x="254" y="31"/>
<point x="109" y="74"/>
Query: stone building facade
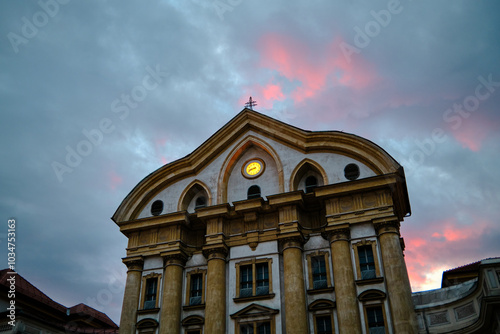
<point x="267" y="228"/>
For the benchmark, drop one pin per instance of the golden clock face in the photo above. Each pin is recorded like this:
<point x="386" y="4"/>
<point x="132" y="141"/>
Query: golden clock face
<point x="253" y="168"/>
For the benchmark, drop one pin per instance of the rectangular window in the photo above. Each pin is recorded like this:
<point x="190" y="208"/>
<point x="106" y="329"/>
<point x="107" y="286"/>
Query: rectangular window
<point x="366" y="262"/>
<point x="264" y="328"/>
<point x="256" y="327"/>
<point x="324" y="325"/>
<point x="319" y="277"/>
<point x="254" y="279"/>
<point x="196" y="289"/>
<point x="246" y="280"/>
<point x="150" y="295"/>
<point x="375" y="317"/>
<point x="262" y="279"/>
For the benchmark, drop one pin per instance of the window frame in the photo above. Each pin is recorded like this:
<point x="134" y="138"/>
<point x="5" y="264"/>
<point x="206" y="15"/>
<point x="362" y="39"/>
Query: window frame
<point x="373" y="244"/>
<point x="144" y="289"/>
<point x="189" y="274"/>
<point x="254" y="263"/>
<point x="254" y="324"/>
<point x="365" y="312"/>
<point x="321" y="315"/>
<point x="309" y="258"/>
<point x="322" y="308"/>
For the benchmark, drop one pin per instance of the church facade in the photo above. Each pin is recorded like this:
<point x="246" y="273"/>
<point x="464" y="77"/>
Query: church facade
<point x="267" y="228"/>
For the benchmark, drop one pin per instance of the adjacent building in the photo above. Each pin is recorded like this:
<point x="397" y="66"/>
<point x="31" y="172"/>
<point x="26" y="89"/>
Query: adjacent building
<point x="268" y="228"/>
<point x="37" y="313"/>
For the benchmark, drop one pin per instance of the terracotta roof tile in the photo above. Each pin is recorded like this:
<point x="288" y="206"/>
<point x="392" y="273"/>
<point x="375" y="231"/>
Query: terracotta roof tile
<point x="27" y="289"/>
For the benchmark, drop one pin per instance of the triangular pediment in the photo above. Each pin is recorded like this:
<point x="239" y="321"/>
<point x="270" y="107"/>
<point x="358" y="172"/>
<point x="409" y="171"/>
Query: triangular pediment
<point x="254" y="310"/>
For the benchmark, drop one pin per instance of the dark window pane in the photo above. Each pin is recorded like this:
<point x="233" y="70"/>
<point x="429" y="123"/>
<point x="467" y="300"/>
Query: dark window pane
<point x="324" y="325"/>
<point x="351" y="172"/>
<point x="196" y="289"/>
<point x="246" y="283"/>
<point x="264" y="328"/>
<point x="253" y="192"/>
<point x="366" y="262"/>
<point x="150" y="296"/>
<point x="262" y="279"/>
<point x="375" y="319"/>
<point x="201" y="202"/>
<point x="318" y="265"/>
<point x="156" y="208"/>
<point x="246" y="329"/>
<point x="311" y="183"/>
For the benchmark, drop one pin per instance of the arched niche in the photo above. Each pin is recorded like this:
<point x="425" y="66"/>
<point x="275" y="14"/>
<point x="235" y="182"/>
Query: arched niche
<point x="321" y="304"/>
<point x="371" y="294"/>
<point x="250" y="147"/>
<point x="193" y="196"/>
<point x="147" y="326"/>
<point x="307" y="168"/>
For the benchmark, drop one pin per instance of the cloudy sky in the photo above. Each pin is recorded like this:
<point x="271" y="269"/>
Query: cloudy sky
<point x="96" y="95"/>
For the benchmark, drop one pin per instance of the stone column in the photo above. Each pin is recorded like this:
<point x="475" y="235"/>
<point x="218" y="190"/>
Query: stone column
<point x="295" y="298"/>
<point x="343" y="278"/>
<point x="215" y="299"/>
<point x="171" y="301"/>
<point x="131" y="297"/>
<point x="396" y="277"/>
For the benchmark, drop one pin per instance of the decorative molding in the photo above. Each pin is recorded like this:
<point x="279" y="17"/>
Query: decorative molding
<point x="337" y="234"/>
<point x="134" y="264"/>
<point x="386" y="226"/>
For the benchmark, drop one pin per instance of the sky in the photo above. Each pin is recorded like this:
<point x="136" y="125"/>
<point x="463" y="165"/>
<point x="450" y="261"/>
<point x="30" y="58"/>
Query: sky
<point x="96" y="95"/>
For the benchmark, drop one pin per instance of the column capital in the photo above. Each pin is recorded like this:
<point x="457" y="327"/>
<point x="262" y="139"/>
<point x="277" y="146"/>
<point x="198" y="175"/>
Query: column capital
<point x="295" y="241"/>
<point x="386" y="226"/>
<point x="341" y="233"/>
<point x="174" y="259"/>
<point x="213" y="252"/>
<point x="133" y="263"/>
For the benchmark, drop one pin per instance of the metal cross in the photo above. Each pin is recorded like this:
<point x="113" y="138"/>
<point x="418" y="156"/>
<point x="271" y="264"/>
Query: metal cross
<point x="251" y="103"/>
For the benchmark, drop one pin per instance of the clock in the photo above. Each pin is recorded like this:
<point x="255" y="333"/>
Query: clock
<point x="253" y="168"/>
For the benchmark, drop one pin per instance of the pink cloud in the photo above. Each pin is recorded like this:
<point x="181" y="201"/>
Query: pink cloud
<point x="473" y="131"/>
<point x="267" y="94"/>
<point x="311" y="69"/>
<point x="114" y="179"/>
<point x="439" y="246"/>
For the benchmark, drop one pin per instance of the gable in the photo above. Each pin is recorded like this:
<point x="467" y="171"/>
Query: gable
<point x="217" y="164"/>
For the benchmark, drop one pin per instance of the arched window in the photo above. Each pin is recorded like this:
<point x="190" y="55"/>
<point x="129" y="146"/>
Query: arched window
<point x="201" y="202"/>
<point x="156" y="208"/>
<point x="253" y="192"/>
<point x="311" y="183"/>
